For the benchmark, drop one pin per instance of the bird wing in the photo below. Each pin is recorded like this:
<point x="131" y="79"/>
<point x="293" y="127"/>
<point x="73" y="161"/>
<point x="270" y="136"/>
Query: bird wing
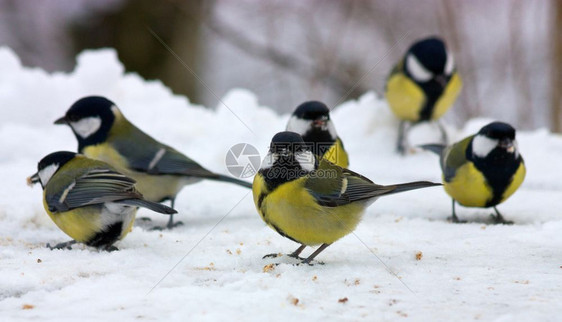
<point x="145" y="154"/>
<point x="334" y="186"/>
<point x="337" y="186"/>
<point x="453" y="157"/>
<point x="96" y="186"/>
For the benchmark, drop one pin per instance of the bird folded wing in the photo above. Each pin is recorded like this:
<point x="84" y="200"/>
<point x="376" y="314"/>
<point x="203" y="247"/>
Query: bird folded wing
<point x="158" y="159"/>
<point x="334" y="186"/>
<point x="454" y="157"/>
<point x="95" y="187"/>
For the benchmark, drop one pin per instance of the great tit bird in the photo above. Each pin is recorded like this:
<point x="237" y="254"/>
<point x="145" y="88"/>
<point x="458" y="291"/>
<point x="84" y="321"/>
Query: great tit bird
<point x="160" y="171"/>
<point x="313" y="201"/>
<point x="89" y="200"/>
<point x="482" y="170"/>
<point x="312" y="121"/>
<point x="422" y="86"/>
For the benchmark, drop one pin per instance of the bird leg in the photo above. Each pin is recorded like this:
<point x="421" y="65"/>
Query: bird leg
<point x="316" y="252"/>
<point x="444" y="137"/>
<point x="65" y="245"/>
<point x="498" y="218"/>
<point x="297" y="252"/>
<point x="170" y="223"/>
<point x="454" y="217"/>
<point x="401" y="144"/>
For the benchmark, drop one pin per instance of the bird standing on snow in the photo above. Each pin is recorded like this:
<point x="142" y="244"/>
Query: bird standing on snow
<point x="160" y="171"/>
<point x="422" y="86"/>
<point x="311" y="201"/>
<point x="312" y="121"/>
<point x="88" y="200"/>
<point x="483" y="170"/>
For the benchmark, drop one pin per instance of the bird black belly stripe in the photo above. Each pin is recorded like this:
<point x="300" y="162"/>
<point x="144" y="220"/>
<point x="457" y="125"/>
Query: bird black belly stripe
<point x="260" y="199"/>
<point x="107" y="237"/>
<point x="499" y="178"/>
<point x="282" y="233"/>
<point x="427" y="110"/>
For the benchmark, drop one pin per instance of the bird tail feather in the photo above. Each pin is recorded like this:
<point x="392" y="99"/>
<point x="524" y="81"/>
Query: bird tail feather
<point x="149" y="205"/>
<point x="435" y="148"/>
<point x="403" y="187"/>
<point x="239" y="182"/>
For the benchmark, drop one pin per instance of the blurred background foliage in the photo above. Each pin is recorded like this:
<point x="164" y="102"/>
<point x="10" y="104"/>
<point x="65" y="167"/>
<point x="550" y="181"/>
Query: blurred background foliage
<point x="509" y="52"/>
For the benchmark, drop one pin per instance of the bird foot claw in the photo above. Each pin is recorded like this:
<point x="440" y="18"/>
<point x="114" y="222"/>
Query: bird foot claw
<point x="65" y="245"/>
<point x="174" y="225"/>
<point x="168" y="226"/>
<point x="309" y="263"/>
<point x="456" y="220"/>
<point x="500" y="220"/>
<point x="273" y="255"/>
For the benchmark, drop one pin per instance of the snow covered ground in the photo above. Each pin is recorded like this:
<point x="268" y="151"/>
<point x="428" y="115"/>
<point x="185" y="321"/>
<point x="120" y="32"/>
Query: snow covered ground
<point x="404" y="262"/>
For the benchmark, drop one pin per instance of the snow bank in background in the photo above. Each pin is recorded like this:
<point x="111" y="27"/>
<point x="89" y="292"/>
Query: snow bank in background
<point x="469" y="271"/>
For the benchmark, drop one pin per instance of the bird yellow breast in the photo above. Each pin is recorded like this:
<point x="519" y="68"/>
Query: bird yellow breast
<point x="516" y="182"/>
<point x="404" y="97"/>
<point x="154" y="188"/>
<point x="469" y="187"/>
<point x="293" y="211"/>
<point x="337" y="155"/>
<point x="81" y="224"/>
<point x="448" y="97"/>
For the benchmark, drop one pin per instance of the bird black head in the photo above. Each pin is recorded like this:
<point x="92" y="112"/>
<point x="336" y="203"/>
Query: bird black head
<point x="90" y="118"/>
<point x="312" y="121"/>
<point x="284" y="143"/>
<point x="498" y="130"/>
<point x="496" y="137"/>
<point x="312" y="111"/>
<point x="428" y="59"/>
<point x="289" y="158"/>
<point x="49" y="165"/>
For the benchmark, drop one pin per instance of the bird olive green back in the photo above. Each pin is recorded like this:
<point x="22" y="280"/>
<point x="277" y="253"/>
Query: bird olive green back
<point x="454" y="157"/>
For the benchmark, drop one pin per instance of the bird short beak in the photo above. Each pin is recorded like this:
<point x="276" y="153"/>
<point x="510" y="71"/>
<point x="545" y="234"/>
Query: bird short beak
<point x="61" y="120"/>
<point x="33" y="179"/>
<point x="508" y="145"/>
<point x="321" y="122"/>
<point x="441" y="80"/>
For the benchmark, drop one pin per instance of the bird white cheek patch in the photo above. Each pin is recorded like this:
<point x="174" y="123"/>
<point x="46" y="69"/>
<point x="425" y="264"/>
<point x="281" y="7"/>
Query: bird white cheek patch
<point x="306" y="160"/>
<point x="298" y="125"/>
<point x="450" y="64"/>
<point x="46" y="173"/>
<point x="482" y="146"/>
<point x="417" y="70"/>
<point x="269" y="160"/>
<point x="301" y="126"/>
<point x="86" y="126"/>
<point x="332" y="130"/>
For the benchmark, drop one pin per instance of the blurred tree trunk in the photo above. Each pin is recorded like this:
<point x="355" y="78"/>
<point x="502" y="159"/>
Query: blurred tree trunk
<point x="126" y="30"/>
<point x="556" y="108"/>
<point x="451" y="25"/>
<point x="519" y="68"/>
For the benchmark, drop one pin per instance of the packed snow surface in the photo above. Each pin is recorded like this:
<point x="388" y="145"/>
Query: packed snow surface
<point x="404" y="261"/>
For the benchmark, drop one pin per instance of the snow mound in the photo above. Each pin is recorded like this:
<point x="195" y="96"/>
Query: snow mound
<point x="404" y="260"/>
